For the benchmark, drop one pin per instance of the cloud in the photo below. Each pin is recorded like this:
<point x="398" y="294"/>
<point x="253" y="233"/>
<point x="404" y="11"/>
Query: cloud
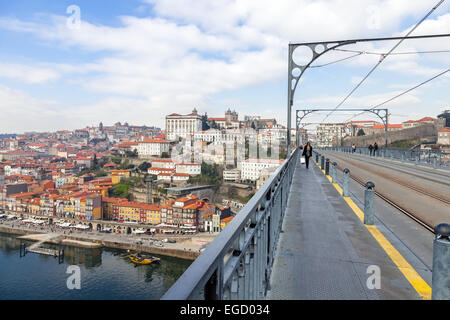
<point x="28" y="74"/>
<point x="189" y="50"/>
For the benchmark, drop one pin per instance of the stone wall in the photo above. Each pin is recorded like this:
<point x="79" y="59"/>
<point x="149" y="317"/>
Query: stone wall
<point x="424" y="131"/>
<point x="186" y="254"/>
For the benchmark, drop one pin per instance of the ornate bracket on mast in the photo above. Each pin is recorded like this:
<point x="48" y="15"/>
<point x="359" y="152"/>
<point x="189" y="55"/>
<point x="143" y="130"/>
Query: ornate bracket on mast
<point x="318" y="49"/>
<point x="296" y="71"/>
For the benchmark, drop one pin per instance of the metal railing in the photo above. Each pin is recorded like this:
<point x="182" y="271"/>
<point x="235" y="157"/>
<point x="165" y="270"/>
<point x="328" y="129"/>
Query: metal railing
<point x="430" y="157"/>
<point x="237" y="264"/>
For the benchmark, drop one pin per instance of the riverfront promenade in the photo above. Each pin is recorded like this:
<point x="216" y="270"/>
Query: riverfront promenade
<point x="186" y="247"/>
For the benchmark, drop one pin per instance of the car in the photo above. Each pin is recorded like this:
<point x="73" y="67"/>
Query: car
<point x="158" y="244"/>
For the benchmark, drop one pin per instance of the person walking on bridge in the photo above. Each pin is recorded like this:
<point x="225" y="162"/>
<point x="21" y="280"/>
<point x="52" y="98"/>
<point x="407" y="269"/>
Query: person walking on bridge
<point x="375" y="149"/>
<point x="353" y="148"/>
<point x="370" y="150"/>
<point x="307" y="153"/>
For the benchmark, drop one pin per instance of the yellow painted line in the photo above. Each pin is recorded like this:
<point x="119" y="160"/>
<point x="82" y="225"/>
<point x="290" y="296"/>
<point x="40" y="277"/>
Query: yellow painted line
<point x="420" y="285"/>
<point x="338" y="188"/>
<point x="359" y="213"/>
<point x="422" y="288"/>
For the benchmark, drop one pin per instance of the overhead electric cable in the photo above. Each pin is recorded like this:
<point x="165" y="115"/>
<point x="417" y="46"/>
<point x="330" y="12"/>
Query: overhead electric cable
<point x="403" y="93"/>
<point x="383" y="57"/>
<point x="394" y="53"/>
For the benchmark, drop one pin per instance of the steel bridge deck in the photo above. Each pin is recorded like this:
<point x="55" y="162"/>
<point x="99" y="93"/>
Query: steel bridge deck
<point x="325" y="250"/>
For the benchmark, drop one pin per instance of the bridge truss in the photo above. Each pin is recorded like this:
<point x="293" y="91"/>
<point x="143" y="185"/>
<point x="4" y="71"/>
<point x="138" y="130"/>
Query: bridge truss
<point x="383" y="114"/>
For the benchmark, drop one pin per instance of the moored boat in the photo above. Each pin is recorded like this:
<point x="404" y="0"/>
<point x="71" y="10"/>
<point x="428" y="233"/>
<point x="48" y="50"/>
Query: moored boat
<point x="140" y="260"/>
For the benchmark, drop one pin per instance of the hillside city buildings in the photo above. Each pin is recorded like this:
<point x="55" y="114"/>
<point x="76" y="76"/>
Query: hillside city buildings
<point x="82" y="174"/>
<point x="73" y="174"/>
<point x="333" y="134"/>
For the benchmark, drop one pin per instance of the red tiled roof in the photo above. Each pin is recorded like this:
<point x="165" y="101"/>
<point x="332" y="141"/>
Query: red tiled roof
<point x="154" y="141"/>
<point x="160" y="169"/>
<point x="426" y="119"/>
<point x="128" y="144"/>
<point x="381" y="126"/>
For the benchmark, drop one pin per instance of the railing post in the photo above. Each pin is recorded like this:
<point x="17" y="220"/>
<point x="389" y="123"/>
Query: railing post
<point x="213" y="286"/>
<point x="334" y="173"/>
<point x="440" y="282"/>
<point x="327" y="166"/>
<point x="247" y="268"/>
<point x="345" y="191"/>
<point x="368" y="203"/>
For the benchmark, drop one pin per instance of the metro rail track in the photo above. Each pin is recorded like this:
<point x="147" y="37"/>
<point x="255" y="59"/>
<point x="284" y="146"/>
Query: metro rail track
<point x="423" y="223"/>
<point x="409" y="186"/>
<point x="428" y="226"/>
<point x="404" y="170"/>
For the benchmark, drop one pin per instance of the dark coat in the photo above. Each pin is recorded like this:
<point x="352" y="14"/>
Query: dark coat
<point x="304" y="151"/>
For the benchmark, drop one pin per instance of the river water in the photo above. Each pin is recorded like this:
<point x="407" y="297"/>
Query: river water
<point x="103" y="274"/>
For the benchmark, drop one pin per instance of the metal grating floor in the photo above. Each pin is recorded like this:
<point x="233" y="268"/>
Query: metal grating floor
<point x="324" y="250"/>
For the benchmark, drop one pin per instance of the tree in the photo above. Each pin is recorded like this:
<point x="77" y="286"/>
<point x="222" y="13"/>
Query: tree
<point x="131" y="154"/>
<point x="165" y="155"/>
<point x="119" y="191"/>
<point x="101" y="173"/>
<point x="95" y="161"/>
<point x="143" y="167"/>
<point x="361" y="133"/>
<point x="116" y="160"/>
<point x="210" y="175"/>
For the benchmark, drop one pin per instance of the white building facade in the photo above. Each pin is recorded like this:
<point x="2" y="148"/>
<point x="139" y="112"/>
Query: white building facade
<point x="152" y="147"/>
<point x="329" y="134"/>
<point x="251" y="168"/>
<point x="189" y="168"/>
<point x="444" y="136"/>
<point x="178" y="125"/>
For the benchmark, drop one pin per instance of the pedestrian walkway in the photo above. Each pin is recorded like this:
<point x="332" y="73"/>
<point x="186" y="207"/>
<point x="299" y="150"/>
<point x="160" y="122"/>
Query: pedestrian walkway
<point x="325" y="251"/>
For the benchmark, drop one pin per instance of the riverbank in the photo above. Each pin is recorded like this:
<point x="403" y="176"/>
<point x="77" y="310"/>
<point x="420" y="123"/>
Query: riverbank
<point x="68" y="242"/>
<point x="184" y="248"/>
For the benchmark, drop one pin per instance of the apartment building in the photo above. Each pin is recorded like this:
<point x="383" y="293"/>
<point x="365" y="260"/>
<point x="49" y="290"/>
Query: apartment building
<point x="251" y="168"/>
<point x="232" y="175"/>
<point x="152" y="147"/>
<point x="444" y="136"/>
<point x="163" y="163"/>
<point x="188" y="213"/>
<point x="192" y="169"/>
<point x="178" y="125"/>
<point x="117" y="175"/>
<point x="329" y="134"/>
